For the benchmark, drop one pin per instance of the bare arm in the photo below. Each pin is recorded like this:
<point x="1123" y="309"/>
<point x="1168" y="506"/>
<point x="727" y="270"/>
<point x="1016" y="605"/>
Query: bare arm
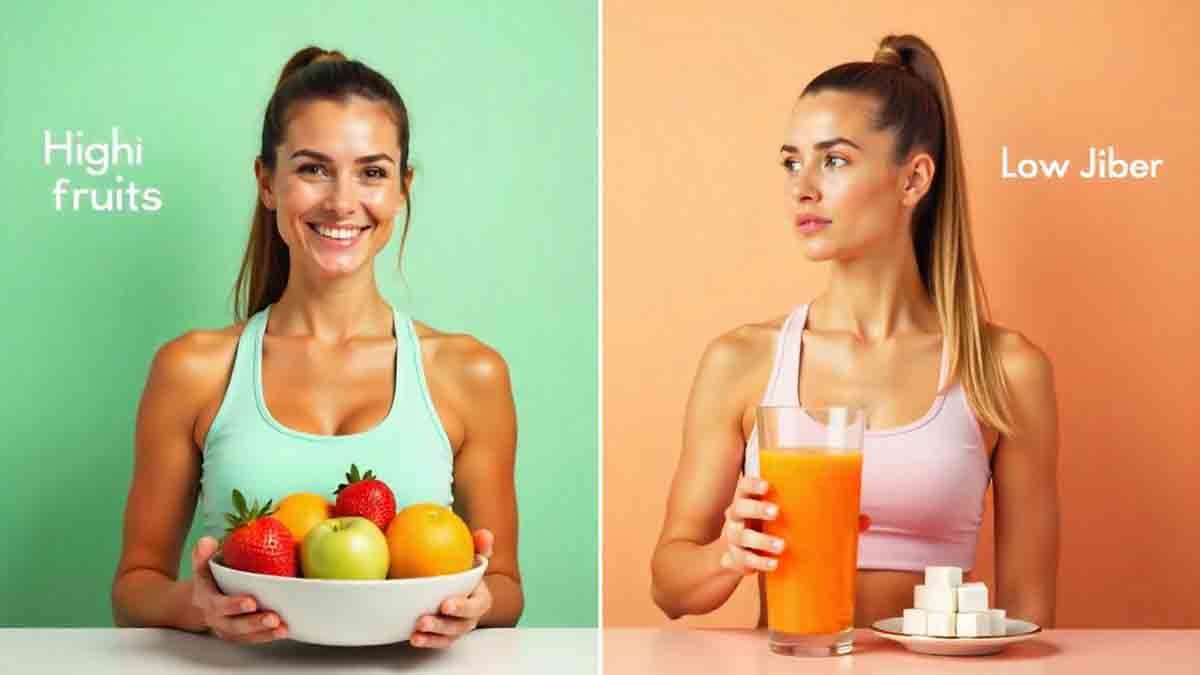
<point x="484" y="492"/>
<point x="691" y="571"/>
<point x="1025" y="478"/>
<point x="471" y="390"/>
<point x="161" y="500"/>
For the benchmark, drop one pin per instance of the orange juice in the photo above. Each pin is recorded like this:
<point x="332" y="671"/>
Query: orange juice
<point x="817" y="490"/>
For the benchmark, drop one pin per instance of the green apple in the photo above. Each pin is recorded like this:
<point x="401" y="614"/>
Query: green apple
<point x="344" y="548"/>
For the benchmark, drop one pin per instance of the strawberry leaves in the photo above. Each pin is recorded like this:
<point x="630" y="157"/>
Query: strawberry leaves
<point x="243" y="514"/>
<point x="353" y="477"/>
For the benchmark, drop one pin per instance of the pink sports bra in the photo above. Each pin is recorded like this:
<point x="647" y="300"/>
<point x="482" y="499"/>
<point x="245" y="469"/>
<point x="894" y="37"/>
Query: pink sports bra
<point x="923" y="483"/>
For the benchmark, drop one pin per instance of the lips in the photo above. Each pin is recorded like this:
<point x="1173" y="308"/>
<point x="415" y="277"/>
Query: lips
<point x="338" y="228"/>
<point x="806" y="223"/>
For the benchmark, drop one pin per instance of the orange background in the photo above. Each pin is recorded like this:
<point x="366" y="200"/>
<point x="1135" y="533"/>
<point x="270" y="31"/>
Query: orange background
<point x="1101" y="274"/>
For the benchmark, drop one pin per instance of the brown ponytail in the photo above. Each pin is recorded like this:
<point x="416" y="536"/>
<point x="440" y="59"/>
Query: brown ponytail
<point x="311" y="74"/>
<point x="907" y="80"/>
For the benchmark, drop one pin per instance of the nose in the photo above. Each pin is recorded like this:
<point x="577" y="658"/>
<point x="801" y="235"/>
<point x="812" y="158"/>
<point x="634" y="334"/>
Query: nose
<point x="802" y="188"/>
<point x="342" y="198"/>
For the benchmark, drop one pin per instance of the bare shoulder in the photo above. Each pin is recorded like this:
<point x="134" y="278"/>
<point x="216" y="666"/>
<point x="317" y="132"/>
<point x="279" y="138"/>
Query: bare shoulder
<point x="196" y="360"/>
<point x="462" y="359"/>
<point x="741" y="351"/>
<point x="1026" y="365"/>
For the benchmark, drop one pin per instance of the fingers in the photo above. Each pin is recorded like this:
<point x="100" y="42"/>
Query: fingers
<point x="739" y="558"/>
<point x="749" y="485"/>
<point x="430" y="640"/>
<point x="232" y="605"/>
<point x="746" y="503"/>
<point x="751" y="539"/>
<point x="251" y="623"/>
<point x="235" y="617"/>
<point x="751" y="509"/>
<point x="207" y="596"/>
<point x="231" y="617"/>
<point x="204" y="550"/>
<point x="468" y="606"/>
<point x="484" y="539"/>
<point x="445" y="625"/>
<point x="252" y="628"/>
<point x="261" y="636"/>
<point x="742" y="540"/>
<point x="458" y="615"/>
<point x="745" y="562"/>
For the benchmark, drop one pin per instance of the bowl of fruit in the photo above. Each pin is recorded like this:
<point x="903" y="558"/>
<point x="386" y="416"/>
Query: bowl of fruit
<point x="349" y="573"/>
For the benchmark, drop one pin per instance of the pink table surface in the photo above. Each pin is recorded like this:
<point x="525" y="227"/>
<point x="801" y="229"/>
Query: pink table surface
<point x="710" y="652"/>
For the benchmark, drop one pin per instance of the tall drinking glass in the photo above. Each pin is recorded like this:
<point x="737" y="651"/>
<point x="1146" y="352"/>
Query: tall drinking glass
<point x="812" y="460"/>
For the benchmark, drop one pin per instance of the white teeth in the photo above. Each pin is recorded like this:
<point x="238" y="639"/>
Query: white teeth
<point x="337" y="232"/>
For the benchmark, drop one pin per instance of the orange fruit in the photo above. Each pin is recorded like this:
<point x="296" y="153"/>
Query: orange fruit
<point x="426" y="540"/>
<point x="299" y="512"/>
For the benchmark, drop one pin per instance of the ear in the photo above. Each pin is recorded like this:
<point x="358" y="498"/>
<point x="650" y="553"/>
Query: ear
<point x="262" y="177"/>
<point x="917" y="179"/>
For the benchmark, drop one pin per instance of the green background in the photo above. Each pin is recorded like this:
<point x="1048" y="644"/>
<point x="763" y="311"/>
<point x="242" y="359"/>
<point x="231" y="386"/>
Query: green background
<point x="503" y="99"/>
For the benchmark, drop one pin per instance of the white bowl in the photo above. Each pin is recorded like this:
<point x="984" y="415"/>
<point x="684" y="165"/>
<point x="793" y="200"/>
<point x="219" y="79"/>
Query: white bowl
<point x="348" y="612"/>
<point x="1017" y="631"/>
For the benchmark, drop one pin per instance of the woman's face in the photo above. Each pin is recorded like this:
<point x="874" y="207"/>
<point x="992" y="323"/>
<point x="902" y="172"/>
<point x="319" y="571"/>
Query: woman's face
<point x="845" y="193"/>
<point x="336" y="187"/>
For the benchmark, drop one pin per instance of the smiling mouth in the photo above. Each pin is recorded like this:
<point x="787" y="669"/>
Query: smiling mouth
<point x="338" y="232"/>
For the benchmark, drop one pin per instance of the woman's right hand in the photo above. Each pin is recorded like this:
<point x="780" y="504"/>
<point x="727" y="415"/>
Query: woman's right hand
<point x="748" y="550"/>
<point x="747" y="546"/>
<point x="230" y="617"/>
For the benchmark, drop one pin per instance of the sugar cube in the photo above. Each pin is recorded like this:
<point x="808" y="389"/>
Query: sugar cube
<point x="973" y="597"/>
<point x="943" y="576"/>
<point x="997" y="621"/>
<point x="915" y="622"/>
<point x="940" y="624"/>
<point x="935" y="599"/>
<point x="972" y="624"/>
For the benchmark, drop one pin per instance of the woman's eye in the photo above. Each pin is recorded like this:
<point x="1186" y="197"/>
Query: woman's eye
<point x="835" y="162"/>
<point x="375" y="172"/>
<point x="790" y="165"/>
<point x="312" y="169"/>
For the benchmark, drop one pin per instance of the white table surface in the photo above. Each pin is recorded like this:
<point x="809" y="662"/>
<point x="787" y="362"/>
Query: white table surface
<point x="94" y="651"/>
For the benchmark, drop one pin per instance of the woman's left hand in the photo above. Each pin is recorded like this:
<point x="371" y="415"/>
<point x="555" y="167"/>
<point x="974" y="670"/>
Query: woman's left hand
<point x="460" y="614"/>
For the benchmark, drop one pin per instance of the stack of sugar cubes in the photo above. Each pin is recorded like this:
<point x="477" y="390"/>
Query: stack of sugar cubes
<point x="946" y="607"/>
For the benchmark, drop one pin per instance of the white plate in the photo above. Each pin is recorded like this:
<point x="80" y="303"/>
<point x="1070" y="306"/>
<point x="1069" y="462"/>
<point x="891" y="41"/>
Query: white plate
<point x="1018" y="631"/>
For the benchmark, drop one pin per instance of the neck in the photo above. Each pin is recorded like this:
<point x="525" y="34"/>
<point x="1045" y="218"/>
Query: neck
<point x="876" y="296"/>
<point x="332" y="311"/>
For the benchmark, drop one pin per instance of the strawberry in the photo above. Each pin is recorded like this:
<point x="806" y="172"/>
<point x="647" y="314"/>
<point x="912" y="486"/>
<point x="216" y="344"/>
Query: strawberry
<point x="256" y="542"/>
<point x="365" y="496"/>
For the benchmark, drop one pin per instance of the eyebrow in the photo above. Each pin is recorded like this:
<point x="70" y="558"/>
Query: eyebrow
<point x="824" y="145"/>
<point x="326" y="158"/>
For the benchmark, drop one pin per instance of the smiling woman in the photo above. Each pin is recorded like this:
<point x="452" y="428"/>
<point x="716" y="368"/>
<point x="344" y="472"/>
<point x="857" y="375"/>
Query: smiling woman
<point x="329" y="119"/>
<point x="318" y="373"/>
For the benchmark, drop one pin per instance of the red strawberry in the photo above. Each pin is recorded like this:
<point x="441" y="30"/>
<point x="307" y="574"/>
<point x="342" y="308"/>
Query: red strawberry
<point x="365" y="496"/>
<point x="256" y="542"/>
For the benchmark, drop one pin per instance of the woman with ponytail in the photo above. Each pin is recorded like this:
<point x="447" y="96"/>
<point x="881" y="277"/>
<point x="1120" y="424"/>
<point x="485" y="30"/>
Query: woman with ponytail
<point x="874" y="181"/>
<point x="318" y="372"/>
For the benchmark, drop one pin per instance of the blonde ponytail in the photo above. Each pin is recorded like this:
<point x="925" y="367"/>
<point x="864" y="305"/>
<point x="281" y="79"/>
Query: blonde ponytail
<point x="907" y="79"/>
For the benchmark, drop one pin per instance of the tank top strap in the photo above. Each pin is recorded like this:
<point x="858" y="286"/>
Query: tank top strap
<point x="413" y="400"/>
<point x="782" y="387"/>
<point x="240" y="396"/>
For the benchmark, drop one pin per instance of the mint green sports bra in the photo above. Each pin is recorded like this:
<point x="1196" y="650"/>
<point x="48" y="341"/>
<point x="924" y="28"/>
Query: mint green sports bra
<point x="248" y="449"/>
